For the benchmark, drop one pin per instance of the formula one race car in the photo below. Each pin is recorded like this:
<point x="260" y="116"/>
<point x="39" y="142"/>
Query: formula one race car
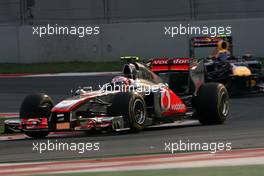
<point x="239" y="75"/>
<point x="132" y="101"/>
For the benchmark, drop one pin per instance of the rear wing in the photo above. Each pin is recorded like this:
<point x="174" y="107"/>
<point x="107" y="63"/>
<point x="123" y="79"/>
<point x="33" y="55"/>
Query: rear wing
<point x="202" y="42"/>
<point x="170" y="64"/>
<point x="194" y="68"/>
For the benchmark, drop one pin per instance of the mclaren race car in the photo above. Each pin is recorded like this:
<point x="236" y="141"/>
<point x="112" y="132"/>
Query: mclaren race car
<point x="131" y="101"/>
<point x="239" y="75"/>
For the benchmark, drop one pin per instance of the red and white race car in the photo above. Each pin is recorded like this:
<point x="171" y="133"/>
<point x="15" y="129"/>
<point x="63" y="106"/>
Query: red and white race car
<point x="132" y="101"/>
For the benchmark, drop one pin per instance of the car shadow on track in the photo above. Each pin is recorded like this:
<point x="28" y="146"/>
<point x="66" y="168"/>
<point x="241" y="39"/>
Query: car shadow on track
<point x="252" y="95"/>
<point x="98" y="135"/>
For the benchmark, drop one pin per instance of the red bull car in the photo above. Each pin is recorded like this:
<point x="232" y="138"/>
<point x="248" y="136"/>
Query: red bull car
<point x="136" y="99"/>
<point x="239" y="75"/>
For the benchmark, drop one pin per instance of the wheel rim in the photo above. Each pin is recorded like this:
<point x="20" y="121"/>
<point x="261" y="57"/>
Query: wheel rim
<point x="139" y="112"/>
<point x="224" y="105"/>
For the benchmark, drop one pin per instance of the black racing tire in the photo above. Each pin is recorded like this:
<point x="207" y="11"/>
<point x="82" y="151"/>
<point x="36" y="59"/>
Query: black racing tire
<point x="212" y="104"/>
<point x="132" y="107"/>
<point x="36" y="105"/>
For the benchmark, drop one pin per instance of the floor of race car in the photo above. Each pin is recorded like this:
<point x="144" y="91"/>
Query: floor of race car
<point x="18" y="136"/>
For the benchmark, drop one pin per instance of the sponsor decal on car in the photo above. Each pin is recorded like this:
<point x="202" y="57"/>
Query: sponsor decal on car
<point x="165" y="100"/>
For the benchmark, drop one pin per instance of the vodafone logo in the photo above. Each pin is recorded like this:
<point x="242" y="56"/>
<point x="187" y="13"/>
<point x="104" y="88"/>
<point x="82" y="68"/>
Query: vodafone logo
<point x="174" y="61"/>
<point x="160" y="61"/>
<point x="165" y="100"/>
<point x="178" y="107"/>
<point x="177" y="61"/>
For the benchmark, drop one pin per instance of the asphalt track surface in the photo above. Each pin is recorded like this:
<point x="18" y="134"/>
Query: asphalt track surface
<point x="244" y="129"/>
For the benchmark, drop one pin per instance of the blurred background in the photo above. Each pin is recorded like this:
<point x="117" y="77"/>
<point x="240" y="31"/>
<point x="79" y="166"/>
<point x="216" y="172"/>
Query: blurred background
<point x="128" y="27"/>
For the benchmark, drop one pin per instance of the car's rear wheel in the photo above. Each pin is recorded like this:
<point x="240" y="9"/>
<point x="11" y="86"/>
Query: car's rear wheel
<point x="36" y="106"/>
<point x="132" y="108"/>
<point x="212" y="104"/>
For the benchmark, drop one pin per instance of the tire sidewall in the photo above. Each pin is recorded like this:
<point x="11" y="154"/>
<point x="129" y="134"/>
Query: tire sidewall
<point x="133" y="122"/>
<point x="222" y="93"/>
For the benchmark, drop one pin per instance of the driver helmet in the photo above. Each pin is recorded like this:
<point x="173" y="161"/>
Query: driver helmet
<point x="121" y="81"/>
<point x="223" y="56"/>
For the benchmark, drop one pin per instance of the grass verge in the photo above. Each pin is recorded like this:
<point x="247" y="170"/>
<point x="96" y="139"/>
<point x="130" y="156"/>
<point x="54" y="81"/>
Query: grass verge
<point x="60" y="67"/>
<point x="2" y="125"/>
<point x="254" y="170"/>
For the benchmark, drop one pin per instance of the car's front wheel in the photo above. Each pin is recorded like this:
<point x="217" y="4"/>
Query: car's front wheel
<point x="132" y="108"/>
<point x="36" y="106"/>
